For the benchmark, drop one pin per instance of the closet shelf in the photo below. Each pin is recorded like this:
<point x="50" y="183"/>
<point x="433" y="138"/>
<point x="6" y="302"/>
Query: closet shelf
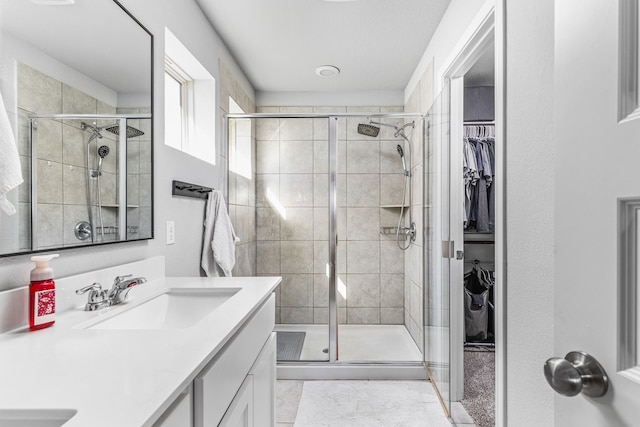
<point x="479" y="238"/>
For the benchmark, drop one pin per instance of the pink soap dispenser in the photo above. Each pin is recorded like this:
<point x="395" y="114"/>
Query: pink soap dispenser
<point x="42" y="293"/>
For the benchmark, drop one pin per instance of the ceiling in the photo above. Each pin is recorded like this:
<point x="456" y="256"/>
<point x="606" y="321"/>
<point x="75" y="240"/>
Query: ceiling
<point x="376" y="44"/>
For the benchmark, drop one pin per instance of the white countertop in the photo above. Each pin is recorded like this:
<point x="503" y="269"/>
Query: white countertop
<point x="120" y="377"/>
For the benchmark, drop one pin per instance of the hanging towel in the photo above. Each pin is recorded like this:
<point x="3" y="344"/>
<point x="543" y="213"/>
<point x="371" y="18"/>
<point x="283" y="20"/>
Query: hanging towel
<point x="219" y="247"/>
<point x="10" y="172"/>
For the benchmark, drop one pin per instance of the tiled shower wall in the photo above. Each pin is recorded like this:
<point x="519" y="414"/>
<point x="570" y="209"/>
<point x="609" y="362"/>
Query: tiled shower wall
<point x="61" y="164"/>
<point x="242" y="190"/>
<point x="292" y="217"/>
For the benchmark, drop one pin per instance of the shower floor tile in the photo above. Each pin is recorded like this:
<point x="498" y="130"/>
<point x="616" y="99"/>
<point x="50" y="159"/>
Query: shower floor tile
<point x="364" y="343"/>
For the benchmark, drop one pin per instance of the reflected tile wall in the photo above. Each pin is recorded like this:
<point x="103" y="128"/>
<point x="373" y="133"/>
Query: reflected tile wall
<point x="62" y="172"/>
<point x="292" y="217"/>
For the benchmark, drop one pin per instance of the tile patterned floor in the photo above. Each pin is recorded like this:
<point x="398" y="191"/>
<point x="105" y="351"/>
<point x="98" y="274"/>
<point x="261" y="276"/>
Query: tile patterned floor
<point x="359" y="404"/>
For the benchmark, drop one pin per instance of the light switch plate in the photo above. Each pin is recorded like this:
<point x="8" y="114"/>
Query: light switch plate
<point x="171" y="232"/>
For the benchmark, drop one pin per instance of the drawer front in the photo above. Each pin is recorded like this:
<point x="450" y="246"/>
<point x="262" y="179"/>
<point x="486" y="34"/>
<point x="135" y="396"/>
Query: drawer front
<point x="217" y="384"/>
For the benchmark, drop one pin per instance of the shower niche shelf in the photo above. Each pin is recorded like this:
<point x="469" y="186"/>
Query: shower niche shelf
<point x="117" y="206"/>
<point x="398" y="206"/>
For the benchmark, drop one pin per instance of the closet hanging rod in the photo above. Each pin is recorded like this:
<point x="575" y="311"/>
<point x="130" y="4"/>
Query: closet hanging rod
<point x="185" y="189"/>
<point x="479" y="262"/>
<point x="479" y="242"/>
<point x="479" y="123"/>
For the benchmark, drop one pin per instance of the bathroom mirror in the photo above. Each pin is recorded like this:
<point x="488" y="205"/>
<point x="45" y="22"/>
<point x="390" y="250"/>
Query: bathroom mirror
<point x="76" y="80"/>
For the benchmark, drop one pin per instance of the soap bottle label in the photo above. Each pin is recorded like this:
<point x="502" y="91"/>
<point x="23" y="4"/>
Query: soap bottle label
<point x="44" y="306"/>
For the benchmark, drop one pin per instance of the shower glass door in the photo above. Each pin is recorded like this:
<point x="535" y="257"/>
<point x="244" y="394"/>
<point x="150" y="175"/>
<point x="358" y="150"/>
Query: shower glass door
<point x="440" y="250"/>
<point x="379" y="321"/>
<point x="292" y="224"/>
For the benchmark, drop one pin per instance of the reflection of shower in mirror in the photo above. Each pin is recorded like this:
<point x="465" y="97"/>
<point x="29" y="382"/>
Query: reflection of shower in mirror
<point x="95" y="173"/>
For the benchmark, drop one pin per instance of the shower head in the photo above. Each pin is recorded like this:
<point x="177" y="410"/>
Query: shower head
<point x="131" y="131"/>
<point x="368" y="130"/>
<point x="401" y="152"/>
<point x="103" y="151"/>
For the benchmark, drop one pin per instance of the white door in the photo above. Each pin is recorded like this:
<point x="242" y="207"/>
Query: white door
<point x="596" y="162"/>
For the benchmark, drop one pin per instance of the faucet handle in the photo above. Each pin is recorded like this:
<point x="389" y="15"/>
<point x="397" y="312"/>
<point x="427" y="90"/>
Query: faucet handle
<point x="119" y="279"/>
<point x="95" y="287"/>
<point x="96" y="294"/>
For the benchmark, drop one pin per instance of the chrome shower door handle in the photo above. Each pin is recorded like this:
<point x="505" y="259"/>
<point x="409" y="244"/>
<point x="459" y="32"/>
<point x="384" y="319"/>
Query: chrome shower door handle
<point x="577" y="372"/>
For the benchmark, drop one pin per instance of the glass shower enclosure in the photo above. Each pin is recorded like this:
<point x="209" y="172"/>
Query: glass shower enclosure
<point x="334" y="209"/>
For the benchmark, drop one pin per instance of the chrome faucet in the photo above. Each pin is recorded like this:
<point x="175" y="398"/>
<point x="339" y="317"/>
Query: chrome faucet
<point x="121" y="287"/>
<point x="99" y="298"/>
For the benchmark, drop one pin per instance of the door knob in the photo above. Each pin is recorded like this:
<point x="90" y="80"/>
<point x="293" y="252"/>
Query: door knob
<point x="577" y="372"/>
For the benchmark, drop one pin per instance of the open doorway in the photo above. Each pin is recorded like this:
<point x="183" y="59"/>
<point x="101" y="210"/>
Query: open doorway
<point x="473" y="218"/>
<point x="478" y="280"/>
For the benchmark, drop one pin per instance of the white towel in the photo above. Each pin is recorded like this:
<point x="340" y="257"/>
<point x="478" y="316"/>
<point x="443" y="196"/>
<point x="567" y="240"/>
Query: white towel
<point x="219" y="247"/>
<point x="10" y="172"/>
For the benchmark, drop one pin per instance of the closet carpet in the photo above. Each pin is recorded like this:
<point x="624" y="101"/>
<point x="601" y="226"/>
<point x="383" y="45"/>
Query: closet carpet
<point x="479" y="385"/>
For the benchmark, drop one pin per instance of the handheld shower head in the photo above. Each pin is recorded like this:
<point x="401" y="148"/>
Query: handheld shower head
<point x="103" y="151"/>
<point x="401" y="152"/>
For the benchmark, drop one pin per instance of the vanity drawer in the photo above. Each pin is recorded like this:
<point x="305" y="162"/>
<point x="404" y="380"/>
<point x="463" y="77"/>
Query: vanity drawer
<point x="218" y="383"/>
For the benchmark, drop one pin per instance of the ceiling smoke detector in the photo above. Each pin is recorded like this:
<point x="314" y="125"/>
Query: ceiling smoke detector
<point x="327" y="71"/>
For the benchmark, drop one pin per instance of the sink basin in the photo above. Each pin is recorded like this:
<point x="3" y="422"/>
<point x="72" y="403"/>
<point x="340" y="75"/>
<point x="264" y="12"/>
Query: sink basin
<point x="175" y="309"/>
<point x="35" y="417"/>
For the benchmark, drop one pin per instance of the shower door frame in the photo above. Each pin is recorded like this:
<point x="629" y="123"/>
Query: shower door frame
<point x="332" y="123"/>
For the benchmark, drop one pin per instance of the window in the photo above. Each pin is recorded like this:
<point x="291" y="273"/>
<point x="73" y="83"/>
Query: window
<point x="190" y="110"/>
<point x="239" y="142"/>
<point x="176" y="111"/>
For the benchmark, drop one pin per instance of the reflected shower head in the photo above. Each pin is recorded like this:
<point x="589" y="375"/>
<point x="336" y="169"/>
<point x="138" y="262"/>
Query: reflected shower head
<point x="103" y="151"/>
<point x="401" y="152"/>
<point x="131" y="131"/>
<point x="368" y="130"/>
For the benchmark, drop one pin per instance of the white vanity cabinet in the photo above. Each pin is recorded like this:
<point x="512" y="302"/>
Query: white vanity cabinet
<point x="254" y="404"/>
<point x="180" y="413"/>
<point x="237" y="387"/>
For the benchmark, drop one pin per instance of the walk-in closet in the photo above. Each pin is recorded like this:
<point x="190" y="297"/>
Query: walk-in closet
<point x="478" y="152"/>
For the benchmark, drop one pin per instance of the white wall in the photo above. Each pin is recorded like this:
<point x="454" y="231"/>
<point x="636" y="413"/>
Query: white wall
<point x="454" y="23"/>
<point x="383" y="98"/>
<point x="530" y="189"/>
<point x="186" y="21"/>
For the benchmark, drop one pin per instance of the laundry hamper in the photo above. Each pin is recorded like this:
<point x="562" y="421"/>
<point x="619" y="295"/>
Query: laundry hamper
<point x="476" y="315"/>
